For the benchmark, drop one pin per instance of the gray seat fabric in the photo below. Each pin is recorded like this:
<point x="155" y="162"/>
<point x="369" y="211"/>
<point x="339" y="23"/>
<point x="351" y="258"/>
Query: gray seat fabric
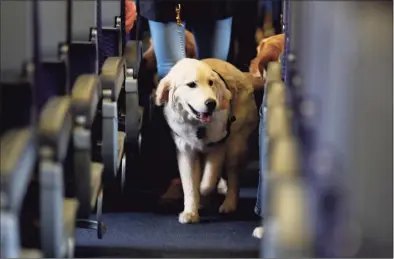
<point x="110" y="9"/>
<point x="9" y="235"/>
<point x="84" y="18"/>
<point x="53" y="26"/>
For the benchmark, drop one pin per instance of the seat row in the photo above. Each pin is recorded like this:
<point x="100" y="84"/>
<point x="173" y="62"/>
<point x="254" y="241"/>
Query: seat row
<point x="69" y="110"/>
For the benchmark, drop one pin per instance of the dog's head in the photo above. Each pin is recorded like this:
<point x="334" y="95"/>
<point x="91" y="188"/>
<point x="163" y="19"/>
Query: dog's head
<point x="193" y="89"/>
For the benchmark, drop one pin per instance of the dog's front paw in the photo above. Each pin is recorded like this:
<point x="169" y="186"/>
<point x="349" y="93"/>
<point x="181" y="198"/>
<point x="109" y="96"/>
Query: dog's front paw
<point x="188" y="217"/>
<point x="258" y="232"/>
<point x="228" y="206"/>
<point x="206" y="189"/>
<point x="222" y="187"/>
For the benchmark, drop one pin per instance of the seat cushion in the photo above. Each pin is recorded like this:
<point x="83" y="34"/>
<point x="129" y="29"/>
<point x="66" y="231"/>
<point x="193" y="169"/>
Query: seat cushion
<point x="121" y="139"/>
<point x="70" y="208"/>
<point x="55" y="125"/>
<point x="96" y="174"/>
<point x="18" y="157"/>
<point x="30" y="253"/>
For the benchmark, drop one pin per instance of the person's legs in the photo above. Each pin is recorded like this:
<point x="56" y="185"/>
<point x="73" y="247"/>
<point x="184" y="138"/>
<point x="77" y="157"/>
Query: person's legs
<point x="263" y="144"/>
<point x="212" y="38"/>
<point x="169" y="44"/>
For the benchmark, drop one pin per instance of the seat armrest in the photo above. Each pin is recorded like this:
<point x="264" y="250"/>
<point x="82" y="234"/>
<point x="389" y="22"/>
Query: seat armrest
<point x="18" y="156"/>
<point x="85" y="97"/>
<point x="113" y="76"/>
<point x="130" y="54"/>
<point x="55" y="125"/>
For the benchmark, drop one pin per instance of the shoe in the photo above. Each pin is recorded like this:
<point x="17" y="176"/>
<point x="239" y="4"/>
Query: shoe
<point x="174" y="192"/>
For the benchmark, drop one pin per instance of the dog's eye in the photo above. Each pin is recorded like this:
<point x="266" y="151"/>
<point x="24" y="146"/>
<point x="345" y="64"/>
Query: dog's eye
<point x="191" y="84"/>
<point x="210" y="82"/>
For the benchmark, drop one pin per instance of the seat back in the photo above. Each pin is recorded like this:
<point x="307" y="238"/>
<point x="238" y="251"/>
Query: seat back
<point x="109" y="17"/>
<point x="53" y="36"/>
<point x="53" y="24"/>
<point x="342" y="83"/>
<point x="83" y="52"/>
<point x="16" y="35"/>
<point x="19" y="76"/>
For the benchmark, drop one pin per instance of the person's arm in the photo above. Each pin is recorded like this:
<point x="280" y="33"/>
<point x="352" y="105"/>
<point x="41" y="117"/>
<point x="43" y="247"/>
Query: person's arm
<point x="131" y="14"/>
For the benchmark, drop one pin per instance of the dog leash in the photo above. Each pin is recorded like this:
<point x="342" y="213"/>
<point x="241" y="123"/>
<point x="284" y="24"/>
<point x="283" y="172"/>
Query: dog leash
<point x="180" y="25"/>
<point x="201" y="131"/>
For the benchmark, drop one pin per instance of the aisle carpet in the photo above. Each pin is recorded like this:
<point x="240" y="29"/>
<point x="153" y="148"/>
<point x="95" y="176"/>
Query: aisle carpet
<point x="149" y="234"/>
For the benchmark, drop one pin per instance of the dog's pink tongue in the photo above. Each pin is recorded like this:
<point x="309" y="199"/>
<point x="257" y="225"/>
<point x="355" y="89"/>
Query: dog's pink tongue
<point x="205" y="118"/>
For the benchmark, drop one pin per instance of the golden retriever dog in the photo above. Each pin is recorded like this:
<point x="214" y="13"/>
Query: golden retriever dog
<point x="210" y="108"/>
<point x="190" y="48"/>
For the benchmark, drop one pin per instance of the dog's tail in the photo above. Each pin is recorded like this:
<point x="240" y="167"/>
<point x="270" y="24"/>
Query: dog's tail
<point x="257" y="82"/>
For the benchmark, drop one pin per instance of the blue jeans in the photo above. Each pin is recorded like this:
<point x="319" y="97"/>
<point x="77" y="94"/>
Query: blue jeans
<point x="263" y="147"/>
<point x="212" y="40"/>
<point x="263" y="144"/>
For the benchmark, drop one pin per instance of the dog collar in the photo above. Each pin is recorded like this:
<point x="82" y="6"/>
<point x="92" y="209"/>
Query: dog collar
<point x="201" y="131"/>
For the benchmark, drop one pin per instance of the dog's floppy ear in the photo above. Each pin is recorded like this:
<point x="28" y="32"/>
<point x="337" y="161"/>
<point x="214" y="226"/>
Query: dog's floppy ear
<point x="162" y="91"/>
<point x="260" y="47"/>
<point x="222" y="93"/>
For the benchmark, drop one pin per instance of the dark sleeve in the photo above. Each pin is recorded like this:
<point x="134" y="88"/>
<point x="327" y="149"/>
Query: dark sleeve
<point x="158" y="10"/>
<point x="192" y="10"/>
<point x="203" y="10"/>
<point x="261" y="9"/>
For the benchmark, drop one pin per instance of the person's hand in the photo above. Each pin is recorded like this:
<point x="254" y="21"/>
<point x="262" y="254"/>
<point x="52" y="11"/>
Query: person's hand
<point x="131" y="15"/>
<point x="268" y="50"/>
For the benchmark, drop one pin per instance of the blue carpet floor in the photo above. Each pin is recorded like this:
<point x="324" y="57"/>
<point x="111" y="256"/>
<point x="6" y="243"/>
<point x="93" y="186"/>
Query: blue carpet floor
<point x="149" y="234"/>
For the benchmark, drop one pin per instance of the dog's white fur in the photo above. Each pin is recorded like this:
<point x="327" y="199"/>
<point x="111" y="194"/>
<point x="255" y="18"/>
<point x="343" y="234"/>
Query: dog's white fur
<point x="258" y="232"/>
<point x="200" y="166"/>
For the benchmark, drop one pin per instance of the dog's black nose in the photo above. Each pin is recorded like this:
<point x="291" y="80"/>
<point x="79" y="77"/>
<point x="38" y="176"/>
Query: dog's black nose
<point x="211" y="104"/>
